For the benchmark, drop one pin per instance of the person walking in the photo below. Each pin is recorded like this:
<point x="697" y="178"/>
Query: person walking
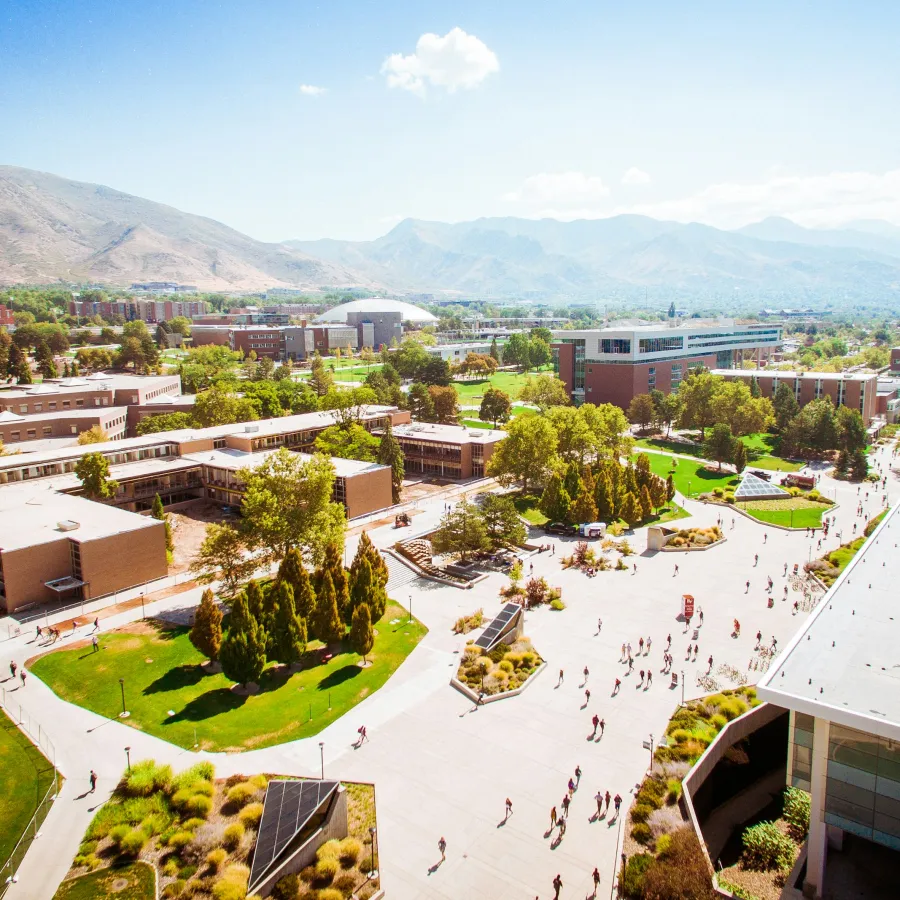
<point x="649" y="643"/>
<point x="642" y="676"/>
<point x="95" y="643"/>
<point x="565" y="805"/>
<point x="552" y="818"/>
<point x="577" y="776"/>
<point x="596" y="876"/>
<point x="22" y="675"/>
<point x="710" y="661"/>
<point x="586" y="674"/>
<point x="12" y="668"/>
<point x="669" y="642"/>
<point x="758" y="640"/>
<point x="623" y="652"/>
<point x="595" y="721"/>
<point x="599" y="798"/>
<point x="649" y="677"/>
<point x="557" y="886"/>
<point x="97" y="623"/>
<point x="616" y="687"/>
<point x="755" y="559"/>
<point x="572" y="787"/>
<point x="93" y="780"/>
<point x="617" y="802"/>
<point x="587" y="696"/>
<point x="630" y="664"/>
<point x="747" y="591"/>
<point x="599" y="625"/>
<point x="635" y="568"/>
<point x="765" y="537"/>
<point x="508" y="809"/>
<point x="676" y="569"/>
<point x="562" y="829"/>
<point x="640" y="647"/>
<point x="602" y="726"/>
<point x="442" y="846"/>
<point x="74" y="625"/>
<point x="607" y="798"/>
<point x="701" y="617"/>
<point x="560" y="679"/>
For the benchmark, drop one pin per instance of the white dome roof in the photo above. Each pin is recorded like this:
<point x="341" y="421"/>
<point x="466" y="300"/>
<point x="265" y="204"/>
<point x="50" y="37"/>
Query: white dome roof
<point x="378" y="305"/>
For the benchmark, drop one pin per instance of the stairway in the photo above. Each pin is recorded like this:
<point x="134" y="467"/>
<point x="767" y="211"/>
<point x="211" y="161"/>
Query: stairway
<point x="399" y="575"/>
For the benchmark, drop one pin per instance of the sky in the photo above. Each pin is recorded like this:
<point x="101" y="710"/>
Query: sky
<point x="295" y="120"/>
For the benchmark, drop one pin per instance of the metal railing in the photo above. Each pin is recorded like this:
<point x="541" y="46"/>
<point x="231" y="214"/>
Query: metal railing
<point x="32" y="831"/>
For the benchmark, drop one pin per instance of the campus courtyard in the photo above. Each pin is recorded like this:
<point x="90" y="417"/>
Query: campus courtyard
<point x="443" y="767"/>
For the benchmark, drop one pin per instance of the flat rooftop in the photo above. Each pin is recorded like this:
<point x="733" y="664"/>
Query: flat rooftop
<point x="230" y="459"/>
<point x="82" y="412"/>
<point x="804" y="376"/>
<point x="31" y="514"/>
<point x="844" y="666"/>
<point x="99" y="381"/>
<point x="448" y="434"/>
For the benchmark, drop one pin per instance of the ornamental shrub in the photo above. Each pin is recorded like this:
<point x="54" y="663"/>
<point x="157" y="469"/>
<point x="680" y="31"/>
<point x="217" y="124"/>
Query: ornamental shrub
<point x="233" y="836"/>
<point x="199" y="805"/>
<point x="640" y="812"/>
<point x="215" y="859"/>
<point x="634" y="874"/>
<point x="241" y="794"/>
<point x="326" y="869"/>
<point x="642" y="833"/>
<point x="133" y="842"/>
<point x="350" y="851"/>
<point x="286" y="888"/>
<point x="180" y="840"/>
<point x="767" y="848"/>
<point x="663" y="845"/>
<point x="796" y="812"/>
<point x="250" y="815"/>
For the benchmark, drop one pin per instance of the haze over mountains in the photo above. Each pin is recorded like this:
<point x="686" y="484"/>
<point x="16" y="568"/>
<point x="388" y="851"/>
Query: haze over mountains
<point x="55" y="229"/>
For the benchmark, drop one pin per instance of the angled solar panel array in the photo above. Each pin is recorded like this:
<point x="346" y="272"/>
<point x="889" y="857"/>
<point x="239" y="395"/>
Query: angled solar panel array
<point x="752" y="487"/>
<point x="289" y="805"/>
<point x="499" y="627"/>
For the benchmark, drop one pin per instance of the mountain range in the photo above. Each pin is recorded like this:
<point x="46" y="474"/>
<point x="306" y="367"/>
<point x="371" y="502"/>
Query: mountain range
<point x="54" y="229"/>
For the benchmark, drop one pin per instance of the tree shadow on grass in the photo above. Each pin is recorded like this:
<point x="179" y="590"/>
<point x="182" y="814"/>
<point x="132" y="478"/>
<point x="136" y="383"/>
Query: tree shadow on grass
<point x="177" y="678"/>
<point x="712" y="474"/>
<point x="207" y="705"/>
<point x="273" y="678"/>
<point x="339" y="676"/>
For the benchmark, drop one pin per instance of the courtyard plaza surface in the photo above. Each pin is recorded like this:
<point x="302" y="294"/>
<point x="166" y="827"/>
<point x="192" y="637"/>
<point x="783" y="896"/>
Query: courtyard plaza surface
<point x="444" y="768"/>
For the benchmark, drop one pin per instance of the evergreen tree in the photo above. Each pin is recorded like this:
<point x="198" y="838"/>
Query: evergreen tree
<point x="642" y="471"/>
<point x="206" y="631"/>
<point x="253" y="595"/>
<point x="328" y="626"/>
<point x="366" y="550"/>
<point x="333" y="566"/>
<point x="583" y="508"/>
<point x="572" y="481"/>
<point x="859" y="465"/>
<point x="391" y="454"/>
<point x="290" y="568"/>
<point x="279" y="595"/>
<point x="646" y="502"/>
<point x="740" y="456"/>
<point x="361" y="588"/>
<point x="658" y="493"/>
<point x="158" y="513"/>
<point x="755" y="392"/>
<point x="45" y="362"/>
<point x="842" y="463"/>
<point x="243" y="652"/>
<point x="629" y="480"/>
<point x="74" y="369"/>
<point x="362" y="637"/>
<point x="289" y="639"/>
<point x="555" y="500"/>
<point x="604" y="498"/>
<point x="17" y="365"/>
<point x="495" y="352"/>
<point x="631" y="509"/>
<point x="670" y="489"/>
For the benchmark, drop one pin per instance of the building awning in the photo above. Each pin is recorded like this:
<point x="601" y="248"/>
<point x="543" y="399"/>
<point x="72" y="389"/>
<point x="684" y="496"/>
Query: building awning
<point x="61" y="585"/>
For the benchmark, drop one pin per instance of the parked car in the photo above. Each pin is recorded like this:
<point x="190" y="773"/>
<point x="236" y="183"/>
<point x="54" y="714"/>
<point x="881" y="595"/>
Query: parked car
<point x="807" y="482"/>
<point x="592" y="529"/>
<point x="560" y="528"/>
<point x="761" y="473"/>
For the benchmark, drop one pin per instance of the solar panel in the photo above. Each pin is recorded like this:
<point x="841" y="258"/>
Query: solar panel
<point x="289" y="805"/>
<point x="498" y="626"/>
<point x="754" y="488"/>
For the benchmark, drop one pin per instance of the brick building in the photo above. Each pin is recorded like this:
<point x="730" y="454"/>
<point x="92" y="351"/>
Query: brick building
<point x="446" y="451"/>
<point x="288" y="342"/>
<point x="145" y="310"/>
<point x="42" y="426"/>
<point x="854" y="390"/>
<point x="6" y="316"/>
<point x="613" y="365"/>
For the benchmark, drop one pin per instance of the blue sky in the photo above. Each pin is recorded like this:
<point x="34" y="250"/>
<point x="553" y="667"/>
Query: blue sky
<point x="721" y="112"/>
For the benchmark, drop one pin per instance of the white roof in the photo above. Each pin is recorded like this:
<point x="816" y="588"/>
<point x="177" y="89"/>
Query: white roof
<point x="7" y="416"/>
<point x="377" y="305"/>
<point x="452" y="434"/>
<point x="843" y="666"/>
<point x="228" y="458"/>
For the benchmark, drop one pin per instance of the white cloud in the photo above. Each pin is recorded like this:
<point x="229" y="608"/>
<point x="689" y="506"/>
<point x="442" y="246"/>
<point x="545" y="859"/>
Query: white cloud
<point x="829" y="200"/>
<point x="812" y="200"/>
<point x="456" y="60"/>
<point x="559" y="194"/>
<point x="635" y="176"/>
<point x="312" y="90"/>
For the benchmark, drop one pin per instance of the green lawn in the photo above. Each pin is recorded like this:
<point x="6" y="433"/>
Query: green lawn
<point x="139" y="884"/>
<point x="691" y="478"/>
<point x="527" y="507"/>
<point x="25" y="777"/>
<point x="161" y="672"/>
<point x="509" y="382"/>
<point x="670" y="446"/>
<point x="762" y="451"/>
<point x="793" y="512"/>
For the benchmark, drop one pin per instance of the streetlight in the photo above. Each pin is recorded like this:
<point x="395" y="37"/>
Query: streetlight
<point x="648" y="745"/>
<point x="124" y="714"/>
<point x="410" y="608"/>
<point x="128" y="757"/>
<point x="322" y="757"/>
<point x="373" y="872"/>
<point x="682" y="687"/>
<point x="143" y="614"/>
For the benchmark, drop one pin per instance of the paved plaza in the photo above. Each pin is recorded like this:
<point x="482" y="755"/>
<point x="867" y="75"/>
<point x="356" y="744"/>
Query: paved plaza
<point x="444" y="768"/>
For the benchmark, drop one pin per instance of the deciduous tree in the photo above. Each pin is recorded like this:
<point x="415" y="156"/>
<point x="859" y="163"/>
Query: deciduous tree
<point x="502" y="522"/>
<point x="526" y="454"/>
<point x="719" y="444"/>
<point x="462" y="531"/>
<point x="320" y="379"/>
<point x="544" y="391"/>
<point x="93" y="472"/>
<point x="223" y="556"/>
<point x="351" y="442"/>
<point x="496" y="407"/>
<point x="641" y="411"/>
<point x="446" y="403"/>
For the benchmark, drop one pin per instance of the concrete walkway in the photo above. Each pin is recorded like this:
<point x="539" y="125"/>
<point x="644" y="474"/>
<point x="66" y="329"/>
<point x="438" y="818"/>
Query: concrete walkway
<point x="443" y="768"/>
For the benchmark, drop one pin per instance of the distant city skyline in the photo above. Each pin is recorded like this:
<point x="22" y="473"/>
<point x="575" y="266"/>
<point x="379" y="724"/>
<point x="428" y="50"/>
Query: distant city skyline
<point x="342" y="120"/>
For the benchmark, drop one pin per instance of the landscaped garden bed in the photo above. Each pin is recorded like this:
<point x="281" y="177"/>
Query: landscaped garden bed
<point x="829" y="567"/>
<point x="505" y="668"/>
<point x="199" y="834"/>
<point x="695" y="538"/>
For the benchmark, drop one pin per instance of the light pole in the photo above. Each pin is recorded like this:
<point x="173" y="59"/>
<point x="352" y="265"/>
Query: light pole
<point x="649" y="746"/>
<point x="682" y="687"/>
<point x="410" y="609"/>
<point x="322" y="758"/>
<point x="143" y="614"/>
<point x="124" y="713"/>
<point x="373" y="872"/>
<point x="128" y="757"/>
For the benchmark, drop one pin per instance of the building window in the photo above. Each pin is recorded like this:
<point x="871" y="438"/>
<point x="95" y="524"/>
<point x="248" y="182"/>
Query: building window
<point x="74" y="429"/>
<point x="616" y="346"/>
<point x="38" y="407"/>
<point x="47" y="430"/>
<point x="23" y="408"/>
<point x="660" y="345"/>
<point x="67" y="404"/>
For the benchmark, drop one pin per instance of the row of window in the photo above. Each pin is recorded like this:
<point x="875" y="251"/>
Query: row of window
<point x="660" y="345"/>
<point x="52" y="406"/>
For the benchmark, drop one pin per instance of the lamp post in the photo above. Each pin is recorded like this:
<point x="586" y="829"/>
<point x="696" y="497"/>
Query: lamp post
<point x="322" y="758"/>
<point x="410" y="608"/>
<point x="682" y="687"/>
<point x="124" y="713"/>
<point x="143" y="614"/>
<point x="128" y="757"/>
<point x="373" y="872"/>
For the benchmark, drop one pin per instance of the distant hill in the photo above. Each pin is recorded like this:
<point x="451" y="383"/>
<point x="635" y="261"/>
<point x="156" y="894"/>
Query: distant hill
<point x="624" y="255"/>
<point x="52" y="228"/>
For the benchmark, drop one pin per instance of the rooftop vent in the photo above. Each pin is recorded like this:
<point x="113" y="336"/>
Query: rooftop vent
<point x="250" y="429"/>
<point x="68" y="525"/>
